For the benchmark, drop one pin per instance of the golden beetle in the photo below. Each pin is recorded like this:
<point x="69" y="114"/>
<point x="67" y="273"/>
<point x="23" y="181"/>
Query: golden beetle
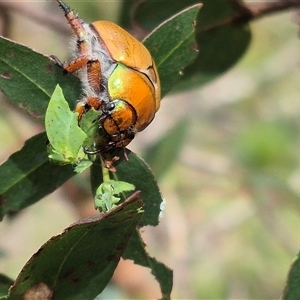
<point x="118" y="75"/>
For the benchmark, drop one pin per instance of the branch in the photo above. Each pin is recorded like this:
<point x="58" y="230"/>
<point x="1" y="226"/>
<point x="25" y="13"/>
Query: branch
<point x="245" y="13"/>
<point x="258" y="10"/>
<point x="41" y="17"/>
<point x="5" y="22"/>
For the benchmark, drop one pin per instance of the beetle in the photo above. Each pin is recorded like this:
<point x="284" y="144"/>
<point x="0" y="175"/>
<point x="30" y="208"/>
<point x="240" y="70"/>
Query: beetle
<point x="118" y="76"/>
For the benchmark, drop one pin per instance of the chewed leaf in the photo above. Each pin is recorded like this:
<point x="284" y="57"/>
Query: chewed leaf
<point x="105" y="197"/>
<point x="83" y="165"/>
<point x="79" y="262"/>
<point x="121" y="186"/>
<point x="136" y="172"/>
<point x="136" y="251"/>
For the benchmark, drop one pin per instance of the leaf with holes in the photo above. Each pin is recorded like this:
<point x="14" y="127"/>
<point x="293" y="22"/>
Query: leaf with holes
<point x="78" y="263"/>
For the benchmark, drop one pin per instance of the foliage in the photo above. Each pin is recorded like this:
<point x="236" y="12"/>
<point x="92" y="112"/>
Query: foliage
<point x="87" y="252"/>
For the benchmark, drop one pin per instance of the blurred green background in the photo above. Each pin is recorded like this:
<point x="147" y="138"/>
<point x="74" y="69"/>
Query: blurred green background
<point x="230" y="227"/>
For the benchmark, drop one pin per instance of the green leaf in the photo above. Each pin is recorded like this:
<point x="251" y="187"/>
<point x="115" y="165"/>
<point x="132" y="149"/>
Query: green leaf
<point x="105" y="194"/>
<point x="292" y="288"/>
<point x="121" y="186"/>
<point x="136" y="172"/>
<point x="66" y="137"/>
<point x="89" y="123"/>
<point x="83" y="165"/>
<point x="28" y="79"/>
<point x="105" y="199"/>
<point x="64" y="134"/>
<point x="220" y="46"/>
<point x="5" y="284"/>
<point x="27" y="176"/>
<point x="221" y="42"/>
<point x="136" y="252"/>
<point x="173" y="46"/>
<point x="78" y="263"/>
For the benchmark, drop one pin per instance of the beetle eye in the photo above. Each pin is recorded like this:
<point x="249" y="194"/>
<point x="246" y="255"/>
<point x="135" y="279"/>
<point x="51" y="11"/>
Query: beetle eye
<point x="110" y="106"/>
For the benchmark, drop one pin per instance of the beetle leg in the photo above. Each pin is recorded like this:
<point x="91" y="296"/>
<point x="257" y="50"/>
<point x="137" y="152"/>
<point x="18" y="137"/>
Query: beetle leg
<point x="83" y="46"/>
<point x="94" y="75"/>
<point x="76" y="63"/>
<point x="78" y="28"/>
<point x="93" y="68"/>
<point x="74" y="21"/>
<point x="93" y="102"/>
<point x="81" y="108"/>
<point x="86" y="104"/>
<point x="57" y="61"/>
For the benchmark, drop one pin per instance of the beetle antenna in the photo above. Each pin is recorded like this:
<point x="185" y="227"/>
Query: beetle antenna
<point x="74" y="21"/>
<point x="64" y="7"/>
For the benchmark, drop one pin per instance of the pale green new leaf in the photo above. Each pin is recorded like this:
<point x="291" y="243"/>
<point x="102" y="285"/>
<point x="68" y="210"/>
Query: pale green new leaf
<point x="64" y="134"/>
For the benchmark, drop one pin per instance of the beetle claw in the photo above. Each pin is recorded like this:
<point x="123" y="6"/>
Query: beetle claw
<point x="57" y="61"/>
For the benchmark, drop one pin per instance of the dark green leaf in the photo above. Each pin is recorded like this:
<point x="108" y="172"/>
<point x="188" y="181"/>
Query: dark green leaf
<point x="5" y="283"/>
<point x="219" y="49"/>
<point x="27" y="176"/>
<point x="125" y="17"/>
<point x="173" y="46"/>
<point x="221" y="42"/>
<point x="136" y="172"/>
<point x="292" y="288"/>
<point x="136" y="252"/>
<point x="78" y="263"/>
<point x="29" y="78"/>
<point x="162" y="155"/>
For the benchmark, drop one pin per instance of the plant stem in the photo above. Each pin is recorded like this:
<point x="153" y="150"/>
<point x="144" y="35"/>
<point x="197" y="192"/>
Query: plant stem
<point x="245" y="13"/>
<point x="105" y="171"/>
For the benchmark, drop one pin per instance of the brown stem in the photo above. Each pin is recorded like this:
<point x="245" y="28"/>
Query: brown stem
<point x="41" y="17"/>
<point x="245" y="13"/>
<point x="5" y="22"/>
<point x="258" y="10"/>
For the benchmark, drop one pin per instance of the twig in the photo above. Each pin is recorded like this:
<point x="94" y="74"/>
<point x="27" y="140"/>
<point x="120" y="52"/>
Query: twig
<point x="245" y="13"/>
<point x="261" y="9"/>
<point x="38" y="16"/>
<point x="5" y="22"/>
